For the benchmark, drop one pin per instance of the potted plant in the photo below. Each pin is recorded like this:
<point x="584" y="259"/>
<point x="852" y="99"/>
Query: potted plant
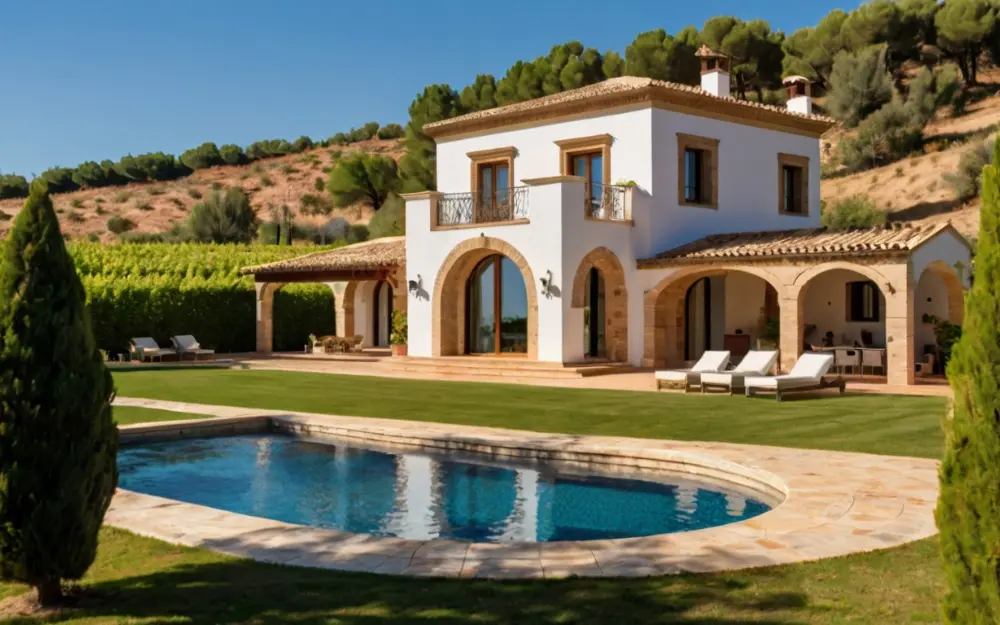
<point x="399" y="333"/>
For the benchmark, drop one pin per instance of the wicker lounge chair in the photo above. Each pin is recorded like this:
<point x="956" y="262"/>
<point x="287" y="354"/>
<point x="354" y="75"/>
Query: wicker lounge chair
<point x="688" y="378"/>
<point x="185" y="344"/>
<point x="806" y="375"/>
<point x="145" y="347"/>
<point x="754" y="364"/>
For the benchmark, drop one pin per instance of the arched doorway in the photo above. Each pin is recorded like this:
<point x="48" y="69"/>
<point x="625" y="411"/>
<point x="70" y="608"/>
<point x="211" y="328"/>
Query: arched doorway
<point x="698" y="319"/>
<point x="594" y="315"/>
<point x="381" y="314"/>
<point x="496" y="308"/>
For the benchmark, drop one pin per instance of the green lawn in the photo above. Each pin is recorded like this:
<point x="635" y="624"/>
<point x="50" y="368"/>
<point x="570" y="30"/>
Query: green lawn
<point x="880" y="424"/>
<point x="139" y="580"/>
<point x="127" y="415"/>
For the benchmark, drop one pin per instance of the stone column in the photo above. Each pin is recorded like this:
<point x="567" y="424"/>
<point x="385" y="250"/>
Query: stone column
<point x="792" y="327"/>
<point x="265" y="315"/>
<point x="899" y="324"/>
<point x="339" y="314"/>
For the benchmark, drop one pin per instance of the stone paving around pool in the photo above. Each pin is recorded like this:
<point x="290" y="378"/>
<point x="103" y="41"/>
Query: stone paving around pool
<point x="834" y="503"/>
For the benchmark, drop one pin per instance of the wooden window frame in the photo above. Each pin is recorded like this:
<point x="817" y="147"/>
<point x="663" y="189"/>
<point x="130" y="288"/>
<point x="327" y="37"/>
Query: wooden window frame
<point x="495" y="156"/>
<point x="709" y="169"/>
<point x="876" y="302"/>
<point x="568" y="148"/>
<point x="801" y="162"/>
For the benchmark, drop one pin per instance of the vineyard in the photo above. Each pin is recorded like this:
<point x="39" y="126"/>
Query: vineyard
<point x="160" y="290"/>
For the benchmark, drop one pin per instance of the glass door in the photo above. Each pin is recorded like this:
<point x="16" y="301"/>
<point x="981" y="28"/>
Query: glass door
<point x="591" y="167"/>
<point x="593" y="315"/>
<point x="497" y="308"/>
<point x="494" y="192"/>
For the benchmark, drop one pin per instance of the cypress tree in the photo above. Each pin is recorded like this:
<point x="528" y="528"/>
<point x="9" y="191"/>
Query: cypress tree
<point x="58" y="440"/>
<point x="970" y="473"/>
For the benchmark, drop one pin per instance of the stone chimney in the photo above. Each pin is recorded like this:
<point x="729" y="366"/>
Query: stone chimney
<point x="714" y="71"/>
<point x="799" y="94"/>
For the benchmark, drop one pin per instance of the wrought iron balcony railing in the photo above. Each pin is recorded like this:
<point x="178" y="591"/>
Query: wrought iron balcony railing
<point x="605" y="201"/>
<point x="455" y="209"/>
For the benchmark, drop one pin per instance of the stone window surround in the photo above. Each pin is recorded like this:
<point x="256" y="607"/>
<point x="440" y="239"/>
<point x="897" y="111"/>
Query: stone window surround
<point x="586" y="145"/>
<point x="710" y="147"/>
<point x="493" y="156"/>
<point x="802" y="162"/>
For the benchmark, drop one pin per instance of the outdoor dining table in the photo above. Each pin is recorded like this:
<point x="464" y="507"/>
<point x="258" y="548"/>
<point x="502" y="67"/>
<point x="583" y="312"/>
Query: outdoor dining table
<point x="876" y="358"/>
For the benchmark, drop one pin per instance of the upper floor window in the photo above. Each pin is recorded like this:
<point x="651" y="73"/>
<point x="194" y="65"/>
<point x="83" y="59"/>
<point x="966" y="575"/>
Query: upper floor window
<point x="793" y="184"/>
<point x="491" y="184"/>
<point x="589" y="158"/>
<point x="863" y="301"/>
<point x="698" y="171"/>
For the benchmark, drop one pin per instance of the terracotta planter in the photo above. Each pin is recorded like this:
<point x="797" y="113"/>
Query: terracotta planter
<point x="399" y="350"/>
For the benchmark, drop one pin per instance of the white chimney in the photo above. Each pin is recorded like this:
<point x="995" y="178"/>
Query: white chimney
<point x="799" y="94"/>
<point x="714" y="72"/>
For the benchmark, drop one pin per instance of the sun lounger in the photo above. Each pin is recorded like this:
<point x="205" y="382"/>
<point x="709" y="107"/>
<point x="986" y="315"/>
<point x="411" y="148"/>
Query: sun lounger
<point x="754" y="364"/>
<point x="185" y="344"/>
<point x="144" y="347"/>
<point x="709" y="361"/>
<point x="806" y="375"/>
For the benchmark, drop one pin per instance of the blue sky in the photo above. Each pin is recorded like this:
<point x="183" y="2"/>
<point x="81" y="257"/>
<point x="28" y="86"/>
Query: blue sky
<point x="95" y="80"/>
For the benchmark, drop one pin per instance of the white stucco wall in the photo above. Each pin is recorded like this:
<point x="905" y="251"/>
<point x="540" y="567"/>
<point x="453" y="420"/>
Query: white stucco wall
<point x="744" y="302"/>
<point x="826" y="308"/>
<point x="930" y="298"/>
<point x="948" y="247"/>
<point x="748" y="180"/>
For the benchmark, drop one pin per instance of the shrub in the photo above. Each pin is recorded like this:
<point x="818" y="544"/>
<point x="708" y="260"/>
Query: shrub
<point x="362" y="177"/>
<point x="288" y="170"/>
<point x="75" y="217"/>
<point x="302" y="144"/>
<point x="59" y="180"/>
<point x="223" y="219"/>
<point x="391" y="131"/>
<point x="122" y="196"/>
<point x="194" y="193"/>
<point x="319" y="184"/>
<point x="966" y="180"/>
<point x="340" y="139"/>
<point x="857" y="211"/>
<point x="266" y="181"/>
<point x="202" y="157"/>
<point x="859" y="85"/>
<point x="891" y="133"/>
<point x="90" y="174"/>
<point x="76" y="203"/>
<point x="399" y="328"/>
<point x="389" y="220"/>
<point x="357" y="234"/>
<point x="118" y="224"/>
<point x="4" y="216"/>
<point x="144" y="206"/>
<point x="12" y="186"/>
<point x="967" y="504"/>
<point x="268" y="233"/>
<point x="310" y="204"/>
<point x="233" y="155"/>
<point x="58" y="444"/>
<point x="176" y="201"/>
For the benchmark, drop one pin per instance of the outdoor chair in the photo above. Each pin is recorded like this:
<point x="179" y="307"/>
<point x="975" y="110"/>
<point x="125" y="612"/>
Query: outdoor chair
<point x="356" y="343"/>
<point x="145" y="347"/>
<point x="755" y="363"/>
<point x="873" y="359"/>
<point x="709" y="361"/>
<point x="844" y="358"/>
<point x="187" y="345"/>
<point x="806" y="375"/>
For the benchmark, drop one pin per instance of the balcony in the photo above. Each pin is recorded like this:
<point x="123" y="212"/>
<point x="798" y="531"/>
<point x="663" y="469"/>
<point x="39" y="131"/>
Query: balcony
<point x="460" y="209"/>
<point x="607" y="202"/>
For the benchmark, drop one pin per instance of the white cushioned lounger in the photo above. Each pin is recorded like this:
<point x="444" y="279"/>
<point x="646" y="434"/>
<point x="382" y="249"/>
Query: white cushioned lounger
<point x="806" y="375"/>
<point x="709" y="361"/>
<point x="755" y="363"/>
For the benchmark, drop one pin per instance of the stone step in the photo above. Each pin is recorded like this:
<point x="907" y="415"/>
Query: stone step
<point x="502" y="367"/>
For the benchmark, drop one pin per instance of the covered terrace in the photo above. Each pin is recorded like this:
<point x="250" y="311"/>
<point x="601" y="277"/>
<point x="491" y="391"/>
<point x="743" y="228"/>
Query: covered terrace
<point x="368" y="281"/>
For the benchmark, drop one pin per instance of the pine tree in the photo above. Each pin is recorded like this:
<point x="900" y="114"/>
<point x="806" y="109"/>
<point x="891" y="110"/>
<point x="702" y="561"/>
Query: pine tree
<point x="57" y="438"/>
<point x="970" y="473"/>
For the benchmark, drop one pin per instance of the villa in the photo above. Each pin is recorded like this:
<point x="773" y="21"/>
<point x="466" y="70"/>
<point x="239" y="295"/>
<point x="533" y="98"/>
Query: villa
<point x="638" y="222"/>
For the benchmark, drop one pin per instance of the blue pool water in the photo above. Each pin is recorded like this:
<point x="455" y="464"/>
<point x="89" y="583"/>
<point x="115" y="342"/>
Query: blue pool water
<point x="420" y="496"/>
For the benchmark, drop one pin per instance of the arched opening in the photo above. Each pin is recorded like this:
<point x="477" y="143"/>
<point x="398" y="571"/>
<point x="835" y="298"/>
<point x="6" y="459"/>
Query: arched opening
<point x="938" y="313"/>
<point x="594" y="316"/>
<point x="843" y="308"/>
<point x="381" y="317"/>
<point x="693" y="311"/>
<point x="599" y="289"/>
<point x="449" y="329"/>
<point x="288" y="314"/>
<point x="496" y="308"/>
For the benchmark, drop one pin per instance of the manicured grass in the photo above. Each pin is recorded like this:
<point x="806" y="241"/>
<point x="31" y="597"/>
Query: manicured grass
<point x="879" y="424"/>
<point x="138" y="580"/>
<point x="127" y="415"/>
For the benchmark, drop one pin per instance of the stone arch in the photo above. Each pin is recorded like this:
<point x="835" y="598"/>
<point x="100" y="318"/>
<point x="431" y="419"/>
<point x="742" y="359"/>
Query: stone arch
<point x="803" y="279"/>
<point x="448" y="316"/>
<point x="265" y="315"/>
<point x="616" y="302"/>
<point x="347" y="307"/>
<point x="663" y="305"/>
<point x="953" y="287"/>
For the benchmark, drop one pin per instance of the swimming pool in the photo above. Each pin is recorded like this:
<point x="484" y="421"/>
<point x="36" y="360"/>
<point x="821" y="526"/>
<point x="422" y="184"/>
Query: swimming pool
<point x="422" y="496"/>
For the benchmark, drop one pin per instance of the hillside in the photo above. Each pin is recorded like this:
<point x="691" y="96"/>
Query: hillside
<point x="915" y="189"/>
<point x="158" y="206"/>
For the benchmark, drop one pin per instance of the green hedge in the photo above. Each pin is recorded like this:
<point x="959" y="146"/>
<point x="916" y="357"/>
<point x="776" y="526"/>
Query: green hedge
<point x="160" y="290"/>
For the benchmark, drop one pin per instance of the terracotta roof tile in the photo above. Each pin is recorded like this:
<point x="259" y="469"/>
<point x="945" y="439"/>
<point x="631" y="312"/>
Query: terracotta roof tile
<point x="612" y="86"/>
<point x="805" y="243"/>
<point x="376" y="254"/>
